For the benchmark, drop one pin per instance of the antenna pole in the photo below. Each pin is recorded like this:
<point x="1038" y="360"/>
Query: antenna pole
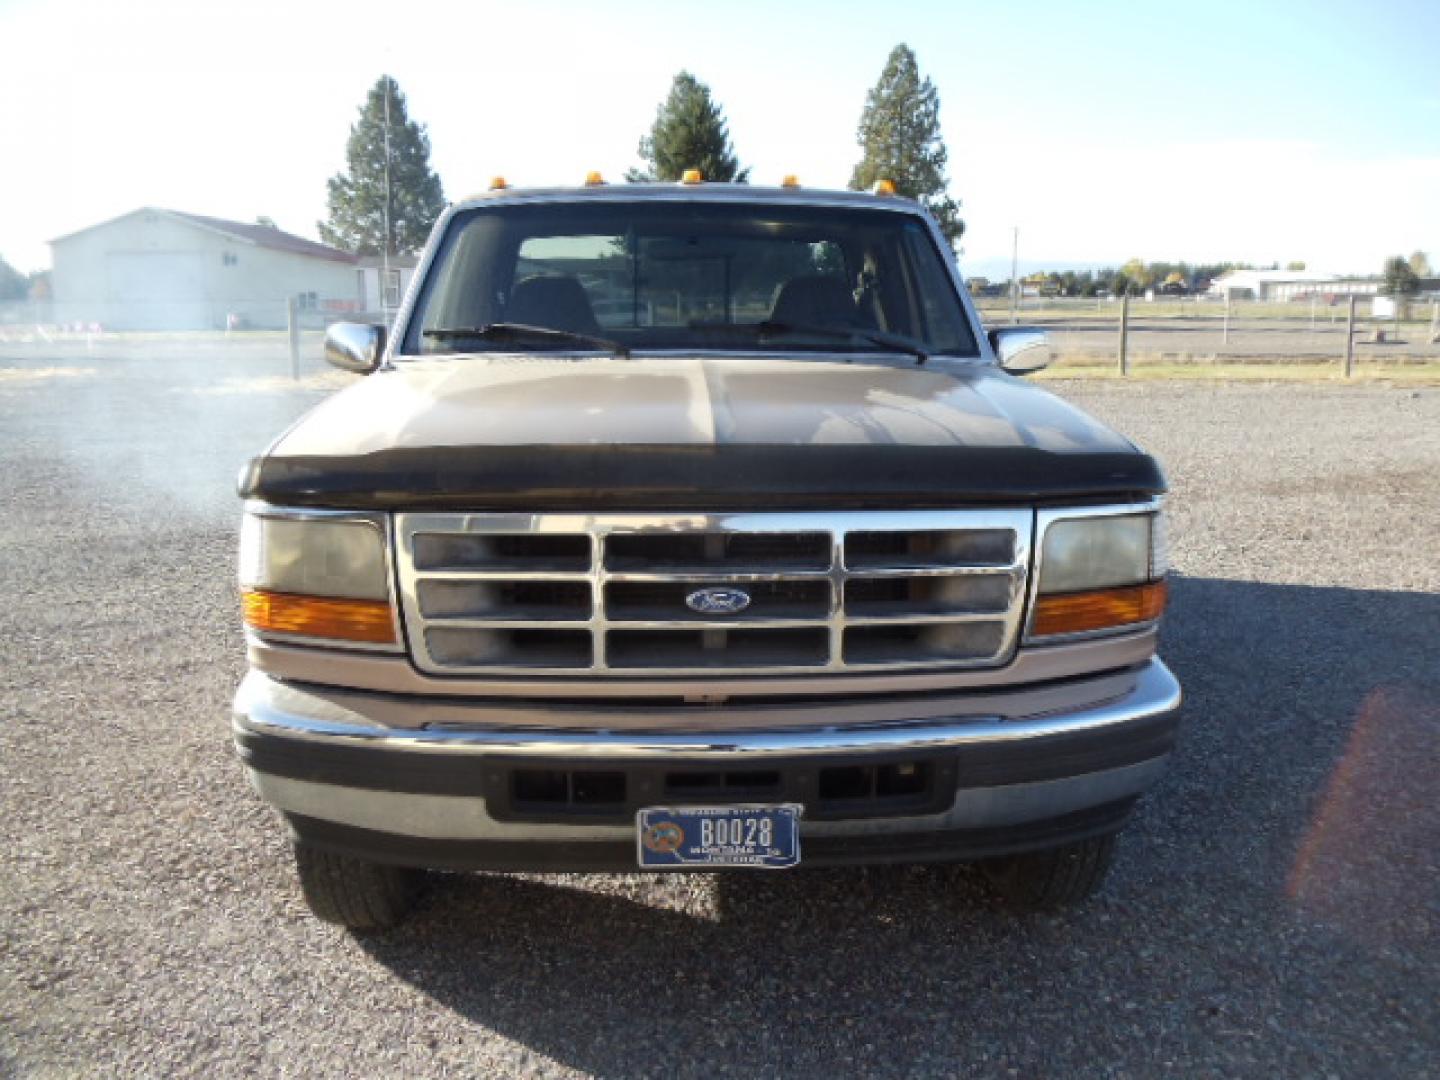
<point x="385" y="251"/>
<point x="1015" y="275"/>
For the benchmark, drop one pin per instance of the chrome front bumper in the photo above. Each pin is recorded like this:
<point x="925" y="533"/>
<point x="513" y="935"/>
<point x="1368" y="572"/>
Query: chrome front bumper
<point x="425" y="795"/>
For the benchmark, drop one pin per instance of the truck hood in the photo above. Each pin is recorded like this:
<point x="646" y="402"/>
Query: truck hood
<point x="565" y="433"/>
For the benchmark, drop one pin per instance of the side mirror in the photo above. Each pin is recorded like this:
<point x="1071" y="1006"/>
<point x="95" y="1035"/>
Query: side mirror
<point x="1020" y="349"/>
<point x="355" y="346"/>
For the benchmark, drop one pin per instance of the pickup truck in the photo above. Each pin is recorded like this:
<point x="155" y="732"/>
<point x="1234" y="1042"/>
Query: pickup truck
<point x="697" y="527"/>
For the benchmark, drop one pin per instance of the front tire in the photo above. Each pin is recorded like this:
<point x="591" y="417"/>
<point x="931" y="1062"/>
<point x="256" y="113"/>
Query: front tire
<point x="1053" y="878"/>
<point x="353" y="893"/>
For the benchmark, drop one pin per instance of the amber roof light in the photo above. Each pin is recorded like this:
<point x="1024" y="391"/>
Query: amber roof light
<point x="692" y="176"/>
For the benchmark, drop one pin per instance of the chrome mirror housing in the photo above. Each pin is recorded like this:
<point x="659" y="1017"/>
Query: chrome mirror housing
<point x="355" y="346"/>
<point x="1020" y="349"/>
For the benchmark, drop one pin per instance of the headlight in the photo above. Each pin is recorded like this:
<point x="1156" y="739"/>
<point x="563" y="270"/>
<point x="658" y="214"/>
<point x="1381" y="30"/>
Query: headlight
<point x="1099" y="572"/>
<point x="314" y="577"/>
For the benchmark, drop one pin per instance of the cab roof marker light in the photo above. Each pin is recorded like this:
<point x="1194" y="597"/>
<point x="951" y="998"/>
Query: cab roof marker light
<point x="692" y="176"/>
<point x="885" y="187"/>
<point x="498" y="184"/>
<point x="790" y="181"/>
<point x="594" y="179"/>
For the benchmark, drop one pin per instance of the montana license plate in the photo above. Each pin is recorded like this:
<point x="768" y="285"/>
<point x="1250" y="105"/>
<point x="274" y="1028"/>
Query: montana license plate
<point x="714" y="837"/>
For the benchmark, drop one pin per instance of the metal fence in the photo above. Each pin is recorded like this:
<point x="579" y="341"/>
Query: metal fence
<point x="1183" y="330"/>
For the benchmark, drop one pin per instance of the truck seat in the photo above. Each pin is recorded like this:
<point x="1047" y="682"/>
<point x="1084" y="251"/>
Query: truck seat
<point x="817" y="299"/>
<point x="555" y="301"/>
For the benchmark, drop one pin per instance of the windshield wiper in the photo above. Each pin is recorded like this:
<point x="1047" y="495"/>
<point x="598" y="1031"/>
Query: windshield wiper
<point x="509" y="331"/>
<point x="883" y="338"/>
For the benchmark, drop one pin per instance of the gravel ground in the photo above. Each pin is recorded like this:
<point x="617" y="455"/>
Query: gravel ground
<point x="1274" y="911"/>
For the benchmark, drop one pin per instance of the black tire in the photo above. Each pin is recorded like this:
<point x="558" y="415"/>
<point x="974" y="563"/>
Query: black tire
<point x="354" y="893"/>
<point x="1053" y="878"/>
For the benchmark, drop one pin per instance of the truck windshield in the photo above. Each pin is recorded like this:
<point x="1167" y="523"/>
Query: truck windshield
<point x="653" y="274"/>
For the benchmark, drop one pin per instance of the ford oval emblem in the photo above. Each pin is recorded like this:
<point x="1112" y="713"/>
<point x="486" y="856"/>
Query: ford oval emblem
<point x="718" y="601"/>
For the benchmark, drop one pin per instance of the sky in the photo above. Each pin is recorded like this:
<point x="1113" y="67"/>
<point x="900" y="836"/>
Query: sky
<point x="1101" y="131"/>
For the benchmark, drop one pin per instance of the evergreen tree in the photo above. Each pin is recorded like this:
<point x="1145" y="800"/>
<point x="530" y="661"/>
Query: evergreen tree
<point x="1400" y="277"/>
<point x="358" y="196"/>
<point x="689" y="133"/>
<point x="900" y="136"/>
<point x="13" y="285"/>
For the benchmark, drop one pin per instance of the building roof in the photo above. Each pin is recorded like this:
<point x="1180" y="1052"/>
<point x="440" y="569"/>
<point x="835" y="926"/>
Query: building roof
<point x="1276" y="276"/>
<point x="248" y="233"/>
<point x="395" y="262"/>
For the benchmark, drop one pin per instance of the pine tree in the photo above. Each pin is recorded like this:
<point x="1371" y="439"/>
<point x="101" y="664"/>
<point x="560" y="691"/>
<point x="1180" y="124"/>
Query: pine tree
<point x="689" y="133"/>
<point x="13" y="285"/>
<point x="900" y="136"/>
<point x="1400" y="277"/>
<point x="357" y="198"/>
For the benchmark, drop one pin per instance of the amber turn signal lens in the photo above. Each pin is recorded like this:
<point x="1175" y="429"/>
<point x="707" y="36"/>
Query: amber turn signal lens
<point x="1098" y="609"/>
<point x="370" y="621"/>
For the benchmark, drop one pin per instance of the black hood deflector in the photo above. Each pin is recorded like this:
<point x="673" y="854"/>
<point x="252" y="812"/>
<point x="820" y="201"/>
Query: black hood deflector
<point x="619" y="477"/>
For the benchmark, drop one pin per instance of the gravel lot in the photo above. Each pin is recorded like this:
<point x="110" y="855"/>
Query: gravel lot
<point x="1275" y="909"/>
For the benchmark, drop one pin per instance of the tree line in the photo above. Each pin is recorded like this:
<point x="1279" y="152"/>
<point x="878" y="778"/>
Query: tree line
<point x="1402" y="277"/>
<point x="1134" y="278"/>
<point x="898" y="134"/>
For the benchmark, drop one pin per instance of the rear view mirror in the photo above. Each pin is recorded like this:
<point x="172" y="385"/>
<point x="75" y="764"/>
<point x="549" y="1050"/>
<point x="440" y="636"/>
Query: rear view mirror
<point x="1020" y="349"/>
<point x="355" y="346"/>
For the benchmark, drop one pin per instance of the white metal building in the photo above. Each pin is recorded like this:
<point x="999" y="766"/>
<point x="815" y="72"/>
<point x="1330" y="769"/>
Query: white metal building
<point x="155" y="269"/>
<point x="1288" y="285"/>
<point x="384" y="282"/>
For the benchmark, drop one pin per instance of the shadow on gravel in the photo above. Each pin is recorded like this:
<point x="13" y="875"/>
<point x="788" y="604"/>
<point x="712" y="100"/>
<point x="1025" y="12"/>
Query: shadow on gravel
<point x="1288" y="858"/>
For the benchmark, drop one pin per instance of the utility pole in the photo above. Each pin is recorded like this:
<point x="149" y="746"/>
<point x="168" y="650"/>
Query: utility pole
<point x="1015" y="275"/>
<point x="292" y="329"/>
<point x="385" y="250"/>
<point x="1350" y="338"/>
<point x="1124" y="333"/>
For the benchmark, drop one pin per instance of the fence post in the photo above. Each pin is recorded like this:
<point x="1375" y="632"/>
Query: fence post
<point x="1124" y="333"/>
<point x="1350" y="338"/>
<point x="1225" y="334"/>
<point x="292" y="322"/>
<point x="1434" y="321"/>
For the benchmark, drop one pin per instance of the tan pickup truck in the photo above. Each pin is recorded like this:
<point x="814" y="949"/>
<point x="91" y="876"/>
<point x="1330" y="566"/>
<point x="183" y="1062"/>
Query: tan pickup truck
<point x="697" y="527"/>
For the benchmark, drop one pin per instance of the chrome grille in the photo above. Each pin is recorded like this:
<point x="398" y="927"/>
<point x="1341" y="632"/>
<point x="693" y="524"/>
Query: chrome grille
<point x="606" y="595"/>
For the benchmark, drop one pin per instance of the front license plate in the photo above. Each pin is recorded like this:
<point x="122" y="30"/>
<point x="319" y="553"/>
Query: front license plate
<point x="711" y="837"/>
